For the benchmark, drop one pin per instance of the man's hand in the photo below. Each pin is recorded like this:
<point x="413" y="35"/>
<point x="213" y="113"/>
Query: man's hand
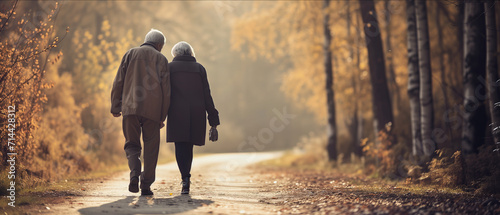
<point x="162" y="125"/>
<point x="116" y="114"/>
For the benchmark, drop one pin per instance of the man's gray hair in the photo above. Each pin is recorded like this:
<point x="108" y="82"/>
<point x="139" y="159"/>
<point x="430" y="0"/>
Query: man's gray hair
<point x="182" y="48"/>
<point x="155" y="36"/>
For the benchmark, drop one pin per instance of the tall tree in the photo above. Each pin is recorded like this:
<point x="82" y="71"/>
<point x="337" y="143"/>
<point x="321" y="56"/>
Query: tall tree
<point x="413" y="78"/>
<point x="492" y="69"/>
<point x="460" y="35"/>
<point x="424" y="62"/>
<point x="355" y="125"/>
<point x="382" y="109"/>
<point x="442" y="67"/>
<point x="332" y="128"/>
<point x="475" y="119"/>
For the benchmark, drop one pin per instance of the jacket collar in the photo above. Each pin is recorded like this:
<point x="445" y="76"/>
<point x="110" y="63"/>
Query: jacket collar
<point x="149" y="44"/>
<point x="184" y="58"/>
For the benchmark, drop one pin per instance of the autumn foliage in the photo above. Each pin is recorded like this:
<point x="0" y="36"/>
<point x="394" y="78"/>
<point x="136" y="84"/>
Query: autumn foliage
<point x="64" y="128"/>
<point x="290" y="32"/>
<point x="63" y="125"/>
<point x="25" y="48"/>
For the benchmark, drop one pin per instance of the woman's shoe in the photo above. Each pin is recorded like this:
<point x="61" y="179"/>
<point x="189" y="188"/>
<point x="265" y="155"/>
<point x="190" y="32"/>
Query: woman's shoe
<point x="185" y="185"/>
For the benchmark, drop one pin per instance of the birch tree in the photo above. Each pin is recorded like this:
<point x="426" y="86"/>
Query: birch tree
<point x="413" y="78"/>
<point x="424" y="62"/>
<point x="492" y="69"/>
<point x="474" y="116"/>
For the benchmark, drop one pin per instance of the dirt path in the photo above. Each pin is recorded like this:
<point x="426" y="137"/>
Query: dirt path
<point x="228" y="184"/>
<point x="221" y="184"/>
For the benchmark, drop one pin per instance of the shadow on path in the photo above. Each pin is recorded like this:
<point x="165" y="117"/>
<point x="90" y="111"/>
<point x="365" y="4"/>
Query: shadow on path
<point x="148" y="205"/>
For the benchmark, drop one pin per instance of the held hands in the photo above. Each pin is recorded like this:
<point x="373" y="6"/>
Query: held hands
<point x="213" y="134"/>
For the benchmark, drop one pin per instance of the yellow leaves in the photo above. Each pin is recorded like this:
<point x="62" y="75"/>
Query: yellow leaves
<point x="106" y="28"/>
<point x="264" y="33"/>
<point x="102" y="86"/>
<point x="367" y="146"/>
<point x="20" y="63"/>
<point x="382" y="149"/>
<point x="292" y="31"/>
<point x="57" y="57"/>
<point x="87" y="36"/>
<point x="95" y="64"/>
<point x="388" y="127"/>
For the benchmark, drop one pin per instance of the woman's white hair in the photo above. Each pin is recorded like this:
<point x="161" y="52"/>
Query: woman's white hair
<point x="182" y="48"/>
<point x="155" y="36"/>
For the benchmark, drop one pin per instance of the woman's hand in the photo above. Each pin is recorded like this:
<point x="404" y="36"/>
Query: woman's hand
<point x="213" y="135"/>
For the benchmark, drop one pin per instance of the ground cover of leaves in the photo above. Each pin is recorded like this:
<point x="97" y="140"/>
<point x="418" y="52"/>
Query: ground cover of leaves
<point x="324" y="192"/>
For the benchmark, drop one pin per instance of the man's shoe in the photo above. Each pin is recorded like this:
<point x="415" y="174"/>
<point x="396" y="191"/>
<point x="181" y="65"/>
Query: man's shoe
<point x="185" y="185"/>
<point x="134" y="185"/>
<point x="146" y="192"/>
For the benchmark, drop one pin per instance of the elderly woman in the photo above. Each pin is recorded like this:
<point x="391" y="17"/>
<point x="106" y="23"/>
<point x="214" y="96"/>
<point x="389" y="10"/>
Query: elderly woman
<point x="190" y="101"/>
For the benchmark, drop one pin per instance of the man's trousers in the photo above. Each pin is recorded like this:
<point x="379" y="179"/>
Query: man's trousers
<point x="132" y="126"/>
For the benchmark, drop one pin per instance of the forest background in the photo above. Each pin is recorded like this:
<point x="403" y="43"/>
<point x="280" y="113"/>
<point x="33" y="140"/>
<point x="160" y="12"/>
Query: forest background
<point x="264" y="60"/>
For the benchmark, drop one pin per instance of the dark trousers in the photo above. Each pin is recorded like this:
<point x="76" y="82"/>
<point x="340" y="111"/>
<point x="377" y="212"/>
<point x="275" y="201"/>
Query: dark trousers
<point x="184" y="157"/>
<point x="132" y="125"/>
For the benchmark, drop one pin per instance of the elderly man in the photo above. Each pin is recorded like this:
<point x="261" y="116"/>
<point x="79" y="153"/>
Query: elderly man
<point x="141" y="93"/>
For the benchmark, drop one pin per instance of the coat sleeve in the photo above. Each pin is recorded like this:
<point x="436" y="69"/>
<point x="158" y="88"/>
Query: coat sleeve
<point x="117" y="90"/>
<point x="213" y="114"/>
<point x="166" y="90"/>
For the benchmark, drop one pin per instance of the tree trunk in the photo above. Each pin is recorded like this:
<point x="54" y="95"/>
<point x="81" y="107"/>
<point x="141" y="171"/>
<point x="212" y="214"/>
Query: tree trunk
<point x="382" y="109"/>
<point x="475" y="119"/>
<point x="455" y="64"/>
<point x="497" y="7"/>
<point x="424" y="62"/>
<point x="442" y="67"/>
<point x="460" y="35"/>
<point x="492" y="69"/>
<point x="388" y="47"/>
<point x="413" y="78"/>
<point x="359" y="134"/>
<point x="332" y="128"/>
<point x="354" y="125"/>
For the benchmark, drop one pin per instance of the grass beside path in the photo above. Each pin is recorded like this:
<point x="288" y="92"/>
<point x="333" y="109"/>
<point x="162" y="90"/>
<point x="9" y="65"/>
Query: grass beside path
<point x="305" y="188"/>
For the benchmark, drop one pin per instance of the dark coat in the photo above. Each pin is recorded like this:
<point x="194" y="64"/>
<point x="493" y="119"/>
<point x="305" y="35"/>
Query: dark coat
<point x="190" y="102"/>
